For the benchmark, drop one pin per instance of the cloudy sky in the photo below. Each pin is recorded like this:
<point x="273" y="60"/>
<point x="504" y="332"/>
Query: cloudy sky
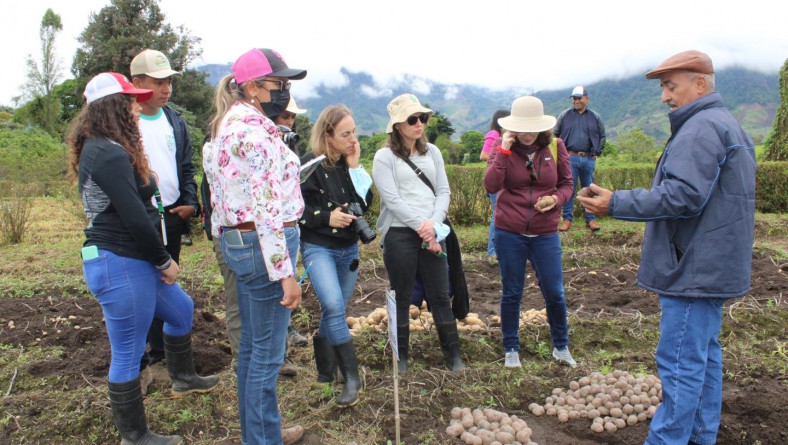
<point x="533" y="44"/>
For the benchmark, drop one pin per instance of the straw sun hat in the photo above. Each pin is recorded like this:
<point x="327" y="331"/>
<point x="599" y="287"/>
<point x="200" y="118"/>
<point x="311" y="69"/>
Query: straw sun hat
<point x="527" y="116"/>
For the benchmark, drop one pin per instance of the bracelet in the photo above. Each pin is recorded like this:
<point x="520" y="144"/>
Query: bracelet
<point x="503" y="150"/>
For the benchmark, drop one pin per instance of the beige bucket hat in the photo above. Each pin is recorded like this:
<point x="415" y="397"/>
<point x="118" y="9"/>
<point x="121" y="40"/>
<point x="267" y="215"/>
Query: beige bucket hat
<point x="527" y="117"/>
<point x="402" y="107"/>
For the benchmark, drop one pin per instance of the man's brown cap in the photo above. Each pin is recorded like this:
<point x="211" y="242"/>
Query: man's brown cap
<point x="694" y="61"/>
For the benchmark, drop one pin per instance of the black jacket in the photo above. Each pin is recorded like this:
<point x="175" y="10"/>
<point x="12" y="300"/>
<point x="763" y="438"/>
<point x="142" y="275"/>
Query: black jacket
<point x="327" y="187"/>
<point x="187" y="185"/>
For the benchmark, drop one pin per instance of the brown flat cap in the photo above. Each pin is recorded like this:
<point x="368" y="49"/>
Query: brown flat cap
<point x="694" y="61"/>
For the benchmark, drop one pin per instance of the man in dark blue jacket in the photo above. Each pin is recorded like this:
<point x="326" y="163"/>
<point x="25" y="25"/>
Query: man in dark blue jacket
<point x="697" y="248"/>
<point x="583" y="133"/>
<point x="169" y="150"/>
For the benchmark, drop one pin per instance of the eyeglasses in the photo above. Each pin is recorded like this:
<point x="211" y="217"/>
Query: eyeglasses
<point x="284" y="85"/>
<point x="529" y="164"/>
<point x="577" y="98"/>
<point x="423" y="118"/>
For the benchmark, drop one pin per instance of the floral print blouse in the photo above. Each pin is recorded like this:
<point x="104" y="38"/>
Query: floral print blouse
<point x="254" y="177"/>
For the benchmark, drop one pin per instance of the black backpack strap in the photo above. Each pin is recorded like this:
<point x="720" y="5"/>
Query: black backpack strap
<point x="420" y="174"/>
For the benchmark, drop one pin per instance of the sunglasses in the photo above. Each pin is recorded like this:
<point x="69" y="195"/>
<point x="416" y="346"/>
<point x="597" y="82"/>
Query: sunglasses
<point x="423" y="118"/>
<point x="530" y="166"/>
<point x="284" y="85"/>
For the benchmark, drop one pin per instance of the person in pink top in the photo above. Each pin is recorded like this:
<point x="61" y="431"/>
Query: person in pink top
<point x="492" y="135"/>
<point x="256" y="198"/>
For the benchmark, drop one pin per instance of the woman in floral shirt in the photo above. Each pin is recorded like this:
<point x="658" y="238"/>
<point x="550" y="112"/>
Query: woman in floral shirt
<point x="256" y="198"/>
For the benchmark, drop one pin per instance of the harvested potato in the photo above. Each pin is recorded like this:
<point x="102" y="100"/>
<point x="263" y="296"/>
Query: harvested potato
<point x="586" y="192"/>
<point x="544" y="202"/>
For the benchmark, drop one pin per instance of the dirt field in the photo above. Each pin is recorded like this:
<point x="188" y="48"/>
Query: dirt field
<point x="755" y="406"/>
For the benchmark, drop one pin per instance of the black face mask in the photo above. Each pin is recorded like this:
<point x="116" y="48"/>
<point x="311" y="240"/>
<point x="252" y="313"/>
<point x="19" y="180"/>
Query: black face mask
<point x="279" y="101"/>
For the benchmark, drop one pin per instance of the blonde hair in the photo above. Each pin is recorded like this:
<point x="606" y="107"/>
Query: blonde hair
<point x="324" y="127"/>
<point x="227" y="93"/>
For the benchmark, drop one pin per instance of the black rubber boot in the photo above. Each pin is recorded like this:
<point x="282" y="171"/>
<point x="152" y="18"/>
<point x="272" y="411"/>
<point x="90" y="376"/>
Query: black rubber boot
<point x="403" y="336"/>
<point x="346" y="356"/>
<point x="180" y="365"/>
<point x="450" y="344"/>
<point x="325" y="360"/>
<point x="128" y="412"/>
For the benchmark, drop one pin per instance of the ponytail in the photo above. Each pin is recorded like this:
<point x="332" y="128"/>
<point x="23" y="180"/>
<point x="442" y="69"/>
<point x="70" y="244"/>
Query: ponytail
<point x="227" y="93"/>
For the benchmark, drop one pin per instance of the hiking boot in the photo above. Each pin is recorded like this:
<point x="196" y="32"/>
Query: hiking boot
<point x="512" y="360"/>
<point x="565" y="225"/>
<point x="288" y="369"/>
<point x="294" y="338"/>
<point x="593" y="225"/>
<point x="292" y="435"/>
<point x="564" y="357"/>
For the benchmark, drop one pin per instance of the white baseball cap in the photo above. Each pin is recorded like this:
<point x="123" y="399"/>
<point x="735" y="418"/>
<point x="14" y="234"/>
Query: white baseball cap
<point x="106" y="84"/>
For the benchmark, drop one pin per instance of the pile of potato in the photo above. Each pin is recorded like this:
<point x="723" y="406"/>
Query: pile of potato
<point x="420" y="320"/>
<point x="531" y="316"/>
<point x="613" y="401"/>
<point x="488" y="427"/>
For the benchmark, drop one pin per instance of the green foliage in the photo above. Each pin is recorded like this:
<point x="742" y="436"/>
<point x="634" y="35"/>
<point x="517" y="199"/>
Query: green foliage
<point x="472" y="143"/>
<point x="469" y="203"/>
<point x="15" y="215"/>
<point x="122" y="30"/>
<point x="29" y="155"/>
<point x="438" y="125"/>
<point x="303" y="127"/>
<point x="193" y="93"/>
<point x="196" y="134"/>
<point x="371" y="144"/>
<point x="634" y="146"/>
<point x="771" y="191"/>
<point x="777" y="142"/>
<point x="452" y="152"/>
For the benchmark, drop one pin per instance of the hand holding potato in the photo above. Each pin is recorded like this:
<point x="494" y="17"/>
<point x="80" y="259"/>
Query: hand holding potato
<point x="546" y="203"/>
<point x="598" y="202"/>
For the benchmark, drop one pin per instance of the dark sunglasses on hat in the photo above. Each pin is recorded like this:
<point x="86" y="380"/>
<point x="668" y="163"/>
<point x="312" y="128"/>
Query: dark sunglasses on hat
<point x="423" y="118"/>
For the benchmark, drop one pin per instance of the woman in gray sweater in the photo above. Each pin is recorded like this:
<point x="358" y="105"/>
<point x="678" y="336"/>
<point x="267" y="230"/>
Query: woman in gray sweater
<point x="414" y="198"/>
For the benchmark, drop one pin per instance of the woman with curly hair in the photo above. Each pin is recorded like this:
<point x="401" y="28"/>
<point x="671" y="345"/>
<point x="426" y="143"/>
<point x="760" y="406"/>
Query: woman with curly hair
<point x="125" y="263"/>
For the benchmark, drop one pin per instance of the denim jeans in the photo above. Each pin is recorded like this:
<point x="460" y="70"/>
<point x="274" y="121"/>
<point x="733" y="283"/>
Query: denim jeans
<point x="329" y="271"/>
<point x="544" y="253"/>
<point x="404" y="257"/>
<point x="689" y="361"/>
<point x="582" y="170"/>
<point x="263" y="334"/>
<point x="491" y="236"/>
<point x="232" y="318"/>
<point x="131" y="293"/>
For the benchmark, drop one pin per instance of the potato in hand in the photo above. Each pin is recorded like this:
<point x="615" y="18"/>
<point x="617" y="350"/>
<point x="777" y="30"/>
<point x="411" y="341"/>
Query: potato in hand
<point x="586" y="192"/>
<point x="544" y="202"/>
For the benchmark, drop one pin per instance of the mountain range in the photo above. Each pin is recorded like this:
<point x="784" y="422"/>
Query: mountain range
<point x="624" y="104"/>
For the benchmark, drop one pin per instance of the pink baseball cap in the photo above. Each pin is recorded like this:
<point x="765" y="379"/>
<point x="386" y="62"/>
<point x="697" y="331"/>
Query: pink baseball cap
<point x="263" y="62"/>
<point x="105" y="84"/>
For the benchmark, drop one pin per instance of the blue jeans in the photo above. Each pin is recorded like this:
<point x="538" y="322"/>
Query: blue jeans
<point x="131" y="293"/>
<point x="263" y="334"/>
<point x="329" y="271"/>
<point x="582" y="169"/>
<point x="544" y="253"/>
<point x="491" y="236"/>
<point x="689" y="361"/>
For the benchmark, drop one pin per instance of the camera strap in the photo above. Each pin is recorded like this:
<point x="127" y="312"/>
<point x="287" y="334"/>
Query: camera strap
<point x="420" y="174"/>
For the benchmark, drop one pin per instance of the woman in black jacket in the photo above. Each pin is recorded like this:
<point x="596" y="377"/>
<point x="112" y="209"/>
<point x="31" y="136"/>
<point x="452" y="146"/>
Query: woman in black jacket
<point x="336" y="195"/>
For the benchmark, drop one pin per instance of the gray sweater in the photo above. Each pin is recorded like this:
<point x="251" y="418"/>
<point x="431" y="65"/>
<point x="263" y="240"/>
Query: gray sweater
<point x="393" y="206"/>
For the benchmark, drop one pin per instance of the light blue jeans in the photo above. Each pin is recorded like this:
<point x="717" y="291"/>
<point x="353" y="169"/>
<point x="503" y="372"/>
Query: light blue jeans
<point x="131" y="292"/>
<point x="491" y="236"/>
<point x="330" y="274"/>
<point x="544" y="253"/>
<point x="689" y="361"/>
<point x="583" y="175"/>
<point x="263" y="334"/>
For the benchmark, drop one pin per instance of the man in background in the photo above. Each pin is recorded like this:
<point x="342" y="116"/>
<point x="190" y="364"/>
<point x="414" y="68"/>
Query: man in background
<point x="584" y="136"/>
<point x="165" y="138"/>
<point x="697" y="247"/>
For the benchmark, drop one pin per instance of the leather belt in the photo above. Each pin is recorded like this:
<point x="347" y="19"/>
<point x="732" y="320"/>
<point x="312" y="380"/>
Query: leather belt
<point x="249" y="225"/>
<point x="582" y="154"/>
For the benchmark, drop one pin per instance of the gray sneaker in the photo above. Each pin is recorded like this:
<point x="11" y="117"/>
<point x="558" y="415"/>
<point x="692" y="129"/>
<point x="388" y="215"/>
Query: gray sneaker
<point x="294" y="338"/>
<point x="512" y="360"/>
<point x="564" y="356"/>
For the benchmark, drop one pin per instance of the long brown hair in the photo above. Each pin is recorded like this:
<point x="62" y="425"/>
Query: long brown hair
<point x="109" y="117"/>
<point x="323" y="128"/>
<point x="397" y="145"/>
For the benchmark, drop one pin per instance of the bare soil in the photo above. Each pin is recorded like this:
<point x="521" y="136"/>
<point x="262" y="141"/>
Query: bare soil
<point x="593" y="293"/>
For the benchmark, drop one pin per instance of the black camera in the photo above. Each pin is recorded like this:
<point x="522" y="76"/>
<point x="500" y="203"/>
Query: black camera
<point x="360" y="225"/>
<point x="290" y="137"/>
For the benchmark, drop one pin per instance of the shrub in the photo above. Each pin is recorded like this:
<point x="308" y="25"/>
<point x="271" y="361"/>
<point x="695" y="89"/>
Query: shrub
<point x="15" y="215"/>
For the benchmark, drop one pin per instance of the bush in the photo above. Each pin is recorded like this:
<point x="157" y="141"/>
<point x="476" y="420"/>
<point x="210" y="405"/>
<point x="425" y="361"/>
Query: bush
<point x="31" y="156"/>
<point x="771" y="190"/>
<point x="15" y="215"/>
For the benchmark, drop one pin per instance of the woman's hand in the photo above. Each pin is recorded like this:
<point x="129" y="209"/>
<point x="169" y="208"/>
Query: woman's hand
<point x="353" y="156"/>
<point x="340" y="219"/>
<point x="170" y="274"/>
<point x="508" y="140"/>
<point x="292" y="297"/>
<point x="434" y="247"/>
<point x="546" y="208"/>
<point x="427" y="231"/>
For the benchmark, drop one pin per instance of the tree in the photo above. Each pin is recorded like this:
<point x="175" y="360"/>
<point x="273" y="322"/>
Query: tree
<point x="42" y="76"/>
<point x="122" y="30"/>
<point x="437" y="126"/>
<point x="472" y="143"/>
<point x="776" y="145"/>
<point x="194" y="93"/>
<point x="636" y="146"/>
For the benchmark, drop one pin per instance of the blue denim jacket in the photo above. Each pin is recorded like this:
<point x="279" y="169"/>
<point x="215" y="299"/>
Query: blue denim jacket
<point x="700" y="210"/>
